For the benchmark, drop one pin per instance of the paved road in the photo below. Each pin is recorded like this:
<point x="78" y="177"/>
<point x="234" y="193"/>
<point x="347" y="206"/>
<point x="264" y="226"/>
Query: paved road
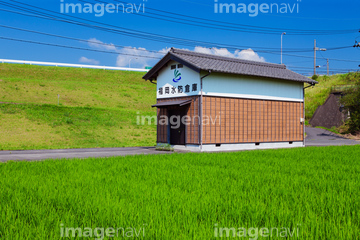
<point x="32" y="155"/>
<point x="322" y="137"/>
<point x="315" y="137"/>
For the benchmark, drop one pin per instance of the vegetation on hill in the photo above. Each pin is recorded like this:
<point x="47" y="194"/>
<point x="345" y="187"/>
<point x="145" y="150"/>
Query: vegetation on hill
<point x="317" y="95"/>
<point x="77" y="87"/>
<point x="351" y="101"/>
<point x="98" y="108"/>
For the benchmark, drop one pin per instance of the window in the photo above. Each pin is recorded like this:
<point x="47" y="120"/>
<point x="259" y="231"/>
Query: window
<point x="180" y="66"/>
<point x="173" y="67"/>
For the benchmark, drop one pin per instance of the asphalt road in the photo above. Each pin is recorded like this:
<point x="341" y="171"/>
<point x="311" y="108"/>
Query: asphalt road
<point x="315" y="137"/>
<point x="31" y="155"/>
<point x="322" y="137"/>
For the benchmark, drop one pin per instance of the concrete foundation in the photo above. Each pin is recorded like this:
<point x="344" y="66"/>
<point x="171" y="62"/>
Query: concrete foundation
<point x="237" y="147"/>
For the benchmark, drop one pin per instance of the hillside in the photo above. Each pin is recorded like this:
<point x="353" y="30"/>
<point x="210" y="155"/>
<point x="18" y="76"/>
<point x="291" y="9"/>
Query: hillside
<point x="98" y="108"/>
<point x="317" y="95"/>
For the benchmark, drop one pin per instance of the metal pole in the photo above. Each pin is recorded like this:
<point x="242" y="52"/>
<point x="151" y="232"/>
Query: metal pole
<point x="327" y="64"/>
<point x="281" y="48"/>
<point x="201" y="114"/>
<point x="304" y="132"/>
<point x="201" y="109"/>
<point x="315" y="57"/>
<point x="130" y="60"/>
<point x="284" y="33"/>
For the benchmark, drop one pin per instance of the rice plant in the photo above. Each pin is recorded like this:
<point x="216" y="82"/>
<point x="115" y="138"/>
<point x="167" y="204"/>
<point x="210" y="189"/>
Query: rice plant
<point x="313" y="192"/>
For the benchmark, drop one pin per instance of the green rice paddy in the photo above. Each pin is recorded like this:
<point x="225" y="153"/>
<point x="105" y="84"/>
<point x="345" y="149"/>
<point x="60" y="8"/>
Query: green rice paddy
<point x="315" y="191"/>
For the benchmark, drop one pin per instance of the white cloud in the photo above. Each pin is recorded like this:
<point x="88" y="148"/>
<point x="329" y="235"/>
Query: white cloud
<point x="215" y="51"/>
<point x="247" y="54"/>
<point x="132" y="55"/>
<point x="95" y="43"/>
<point x="123" y="60"/>
<point x="136" y="56"/>
<point x="165" y="50"/>
<point x="90" y="61"/>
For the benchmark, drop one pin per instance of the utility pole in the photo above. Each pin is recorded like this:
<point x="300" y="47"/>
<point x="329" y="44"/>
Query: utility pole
<point x="327" y="65"/>
<point x="315" y="57"/>
<point x="316" y="49"/>
<point x="284" y="33"/>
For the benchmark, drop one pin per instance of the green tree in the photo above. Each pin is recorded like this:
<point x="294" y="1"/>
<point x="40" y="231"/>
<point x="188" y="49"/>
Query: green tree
<point x="315" y="77"/>
<point x="351" y="102"/>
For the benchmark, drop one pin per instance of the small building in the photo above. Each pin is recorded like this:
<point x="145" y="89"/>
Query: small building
<point x="214" y="103"/>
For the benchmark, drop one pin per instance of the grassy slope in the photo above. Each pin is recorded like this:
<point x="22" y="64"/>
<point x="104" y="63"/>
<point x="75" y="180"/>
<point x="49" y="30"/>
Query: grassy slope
<point x="183" y="196"/>
<point x="98" y="108"/>
<point x="316" y="96"/>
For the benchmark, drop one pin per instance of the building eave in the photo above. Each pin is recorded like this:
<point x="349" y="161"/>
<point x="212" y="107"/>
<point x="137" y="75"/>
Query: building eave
<point x="154" y="71"/>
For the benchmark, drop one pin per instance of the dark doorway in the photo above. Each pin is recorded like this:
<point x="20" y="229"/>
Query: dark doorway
<point x="177" y="127"/>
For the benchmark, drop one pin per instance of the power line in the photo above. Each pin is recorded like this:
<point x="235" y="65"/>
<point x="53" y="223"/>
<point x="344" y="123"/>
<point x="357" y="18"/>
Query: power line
<point x="134" y="55"/>
<point x="136" y="34"/>
<point x="334" y="59"/>
<point x="78" y="48"/>
<point x="126" y="32"/>
<point x="165" y="39"/>
<point x="78" y="39"/>
<point x="242" y="27"/>
<point x="149" y="36"/>
<point x="345" y="69"/>
<point x="153" y="51"/>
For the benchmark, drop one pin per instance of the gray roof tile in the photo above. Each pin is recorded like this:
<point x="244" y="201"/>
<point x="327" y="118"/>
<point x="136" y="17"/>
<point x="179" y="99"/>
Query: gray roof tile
<point x="214" y="63"/>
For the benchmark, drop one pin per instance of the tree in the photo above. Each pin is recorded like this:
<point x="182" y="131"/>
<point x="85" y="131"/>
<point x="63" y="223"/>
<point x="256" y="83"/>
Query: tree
<point x="351" y="102"/>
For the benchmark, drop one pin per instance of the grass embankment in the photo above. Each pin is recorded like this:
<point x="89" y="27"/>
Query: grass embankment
<point x="183" y="196"/>
<point x="98" y="108"/>
<point x="317" y="95"/>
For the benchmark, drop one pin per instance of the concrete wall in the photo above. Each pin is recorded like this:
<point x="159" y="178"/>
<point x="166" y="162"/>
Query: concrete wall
<point x="227" y="85"/>
<point x="330" y="114"/>
<point x="236" y="147"/>
<point x="188" y="77"/>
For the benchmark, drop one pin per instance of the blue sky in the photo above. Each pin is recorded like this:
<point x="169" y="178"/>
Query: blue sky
<point x="316" y="16"/>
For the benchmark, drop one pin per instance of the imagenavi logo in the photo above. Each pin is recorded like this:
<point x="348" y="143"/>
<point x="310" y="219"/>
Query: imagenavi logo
<point x="254" y="9"/>
<point x="100" y="9"/>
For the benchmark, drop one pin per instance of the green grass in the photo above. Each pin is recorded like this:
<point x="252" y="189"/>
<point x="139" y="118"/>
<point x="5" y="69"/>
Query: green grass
<point x="333" y="129"/>
<point x="77" y="87"/>
<point x="183" y="196"/>
<point x="317" y="95"/>
<point x="98" y="108"/>
<point x="49" y="126"/>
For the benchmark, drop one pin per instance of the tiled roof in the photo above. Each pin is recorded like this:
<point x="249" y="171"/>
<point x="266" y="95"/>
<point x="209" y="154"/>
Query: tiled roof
<point x="207" y="62"/>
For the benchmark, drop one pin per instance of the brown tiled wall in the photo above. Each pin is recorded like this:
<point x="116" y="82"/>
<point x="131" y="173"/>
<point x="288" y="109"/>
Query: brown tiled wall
<point x="233" y="120"/>
<point x="249" y="121"/>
